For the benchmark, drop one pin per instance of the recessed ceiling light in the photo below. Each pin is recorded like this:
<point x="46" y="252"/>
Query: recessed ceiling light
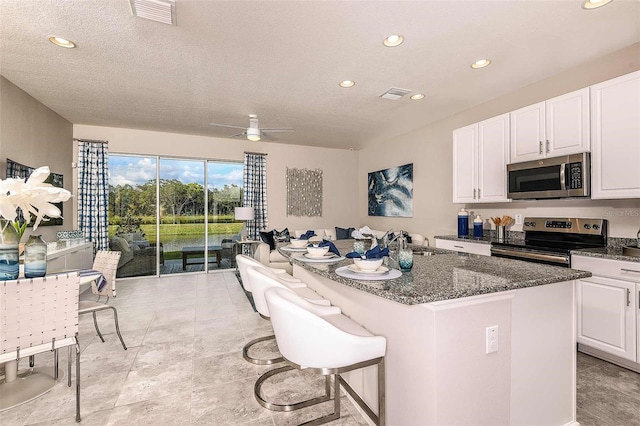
<point x="62" y="42"/>
<point x="347" y="83"/>
<point x="417" y="97"/>
<point x="594" y="4"/>
<point x="480" y="63"/>
<point x="393" y="40"/>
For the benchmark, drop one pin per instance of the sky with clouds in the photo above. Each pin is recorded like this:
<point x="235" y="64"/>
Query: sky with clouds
<point x="135" y="170"/>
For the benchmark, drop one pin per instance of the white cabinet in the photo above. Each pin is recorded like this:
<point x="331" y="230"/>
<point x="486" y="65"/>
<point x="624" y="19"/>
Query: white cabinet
<point x="480" y="156"/>
<point x="558" y="126"/>
<point x="607" y="306"/>
<point x="615" y="130"/>
<point x="606" y="316"/>
<point x="464" y="246"/>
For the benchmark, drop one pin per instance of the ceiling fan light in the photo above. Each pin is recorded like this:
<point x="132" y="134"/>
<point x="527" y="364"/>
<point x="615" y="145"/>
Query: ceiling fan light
<point x="594" y="4"/>
<point x="62" y="42"/>
<point x="253" y="134"/>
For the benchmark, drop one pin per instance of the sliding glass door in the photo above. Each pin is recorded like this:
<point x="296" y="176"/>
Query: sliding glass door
<point x="163" y="221"/>
<point x="132" y="214"/>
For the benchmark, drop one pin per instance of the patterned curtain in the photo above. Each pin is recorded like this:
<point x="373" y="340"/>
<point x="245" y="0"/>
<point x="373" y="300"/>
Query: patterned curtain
<point x="255" y="192"/>
<point x="93" y="192"/>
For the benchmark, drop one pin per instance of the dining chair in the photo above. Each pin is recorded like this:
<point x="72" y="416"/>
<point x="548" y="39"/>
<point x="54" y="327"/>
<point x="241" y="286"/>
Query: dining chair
<point x="106" y="262"/>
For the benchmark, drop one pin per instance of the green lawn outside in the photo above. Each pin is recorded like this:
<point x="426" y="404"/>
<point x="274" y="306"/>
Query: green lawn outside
<point x="169" y="231"/>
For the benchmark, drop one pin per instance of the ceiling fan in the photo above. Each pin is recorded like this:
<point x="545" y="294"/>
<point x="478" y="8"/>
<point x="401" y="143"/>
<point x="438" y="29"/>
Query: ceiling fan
<point x="254" y="132"/>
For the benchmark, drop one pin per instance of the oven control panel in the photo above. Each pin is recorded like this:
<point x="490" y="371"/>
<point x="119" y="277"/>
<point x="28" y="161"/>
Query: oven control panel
<point x="566" y="225"/>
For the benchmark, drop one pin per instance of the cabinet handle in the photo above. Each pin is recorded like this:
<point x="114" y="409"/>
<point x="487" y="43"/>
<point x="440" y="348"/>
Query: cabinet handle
<point x="547" y="145"/>
<point x="478" y="193"/>
<point x="460" y="247"/>
<point x="474" y="193"/>
<point x="628" y="297"/>
<point x="630" y="270"/>
<point x="540" y="147"/>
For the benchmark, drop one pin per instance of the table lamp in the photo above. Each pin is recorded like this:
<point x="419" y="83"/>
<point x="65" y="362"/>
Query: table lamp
<point x="244" y="214"/>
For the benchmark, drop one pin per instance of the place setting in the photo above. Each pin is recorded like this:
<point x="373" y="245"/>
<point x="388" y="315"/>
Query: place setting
<point x="323" y="252"/>
<point x="368" y="266"/>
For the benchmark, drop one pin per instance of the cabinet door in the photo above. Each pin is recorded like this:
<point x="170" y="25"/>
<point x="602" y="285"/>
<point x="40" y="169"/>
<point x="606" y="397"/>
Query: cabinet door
<point x="465" y="146"/>
<point x="567" y="124"/>
<point x="615" y="134"/>
<point x="493" y="156"/>
<point x="527" y="133"/>
<point x="607" y="317"/>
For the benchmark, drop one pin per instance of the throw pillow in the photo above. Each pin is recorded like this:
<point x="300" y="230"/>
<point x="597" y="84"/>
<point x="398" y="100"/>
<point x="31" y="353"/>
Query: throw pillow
<point x="343" y="233"/>
<point x="267" y="237"/>
<point x="281" y="236"/>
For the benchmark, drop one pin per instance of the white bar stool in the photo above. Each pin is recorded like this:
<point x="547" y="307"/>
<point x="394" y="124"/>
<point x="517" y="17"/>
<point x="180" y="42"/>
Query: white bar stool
<point x="321" y="339"/>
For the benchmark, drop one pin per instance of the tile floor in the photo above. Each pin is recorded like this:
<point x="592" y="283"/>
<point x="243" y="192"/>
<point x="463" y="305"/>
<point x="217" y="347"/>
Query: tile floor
<point x="184" y="366"/>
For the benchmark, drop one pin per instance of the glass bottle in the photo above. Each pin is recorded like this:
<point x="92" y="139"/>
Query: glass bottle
<point x="9" y="239"/>
<point x="35" y="257"/>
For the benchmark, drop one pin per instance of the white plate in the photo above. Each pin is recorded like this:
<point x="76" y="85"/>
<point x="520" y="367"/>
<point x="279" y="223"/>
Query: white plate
<point x="324" y="256"/>
<point x="290" y="248"/>
<point x="344" y="271"/>
<point x="381" y="270"/>
<point x="333" y="259"/>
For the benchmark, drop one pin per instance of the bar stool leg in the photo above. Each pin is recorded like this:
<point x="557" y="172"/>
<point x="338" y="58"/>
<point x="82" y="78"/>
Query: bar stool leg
<point x="256" y="361"/>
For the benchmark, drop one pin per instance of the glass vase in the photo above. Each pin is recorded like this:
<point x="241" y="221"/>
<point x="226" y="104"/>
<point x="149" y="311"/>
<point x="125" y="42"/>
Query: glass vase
<point x="35" y="257"/>
<point x="405" y="260"/>
<point x="9" y="266"/>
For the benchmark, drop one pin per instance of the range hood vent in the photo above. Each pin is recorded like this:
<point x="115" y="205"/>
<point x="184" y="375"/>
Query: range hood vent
<point x="394" y="93"/>
<point x="163" y="11"/>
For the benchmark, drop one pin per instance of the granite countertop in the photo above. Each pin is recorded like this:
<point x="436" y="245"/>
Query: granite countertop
<point x="449" y="275"/>
<point x="612" y="253"/>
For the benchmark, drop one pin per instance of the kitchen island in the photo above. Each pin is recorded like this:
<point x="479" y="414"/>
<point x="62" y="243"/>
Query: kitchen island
<point x="435" y="320"/>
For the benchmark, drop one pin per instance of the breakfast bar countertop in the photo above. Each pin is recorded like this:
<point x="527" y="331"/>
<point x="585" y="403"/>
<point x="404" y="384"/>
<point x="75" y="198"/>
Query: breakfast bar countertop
<point x="449" y="275"/>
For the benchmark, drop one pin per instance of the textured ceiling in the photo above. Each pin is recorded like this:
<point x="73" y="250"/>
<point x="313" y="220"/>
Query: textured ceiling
<point x="283" y="61"/>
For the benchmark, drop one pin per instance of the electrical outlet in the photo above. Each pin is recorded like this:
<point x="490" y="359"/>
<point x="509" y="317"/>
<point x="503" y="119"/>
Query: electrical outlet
<point x="492" y="339"/>
<point x="518" y="219"/>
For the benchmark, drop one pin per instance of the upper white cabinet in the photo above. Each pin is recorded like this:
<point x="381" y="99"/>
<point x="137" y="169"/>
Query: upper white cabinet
<point x="480" y="156"/>
<point x="615" y="130"/>
<point x="558" y="126"/>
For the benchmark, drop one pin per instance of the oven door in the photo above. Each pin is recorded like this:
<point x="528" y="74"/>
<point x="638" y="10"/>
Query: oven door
<point x="558" y="177"/>
<point x="538" y="256"/>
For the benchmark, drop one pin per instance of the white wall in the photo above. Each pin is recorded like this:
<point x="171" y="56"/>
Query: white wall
<point x="430" y="151"/>
<point x="339" y="167"/>
<point x="34" y="135"/>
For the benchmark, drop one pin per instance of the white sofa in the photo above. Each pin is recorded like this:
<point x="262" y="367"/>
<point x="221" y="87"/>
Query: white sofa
<point x="273" y="258"/>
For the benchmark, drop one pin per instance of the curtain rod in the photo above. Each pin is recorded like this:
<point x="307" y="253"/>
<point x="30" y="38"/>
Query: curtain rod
<point x="90" y="140"/>
<point x="255" y="153"/>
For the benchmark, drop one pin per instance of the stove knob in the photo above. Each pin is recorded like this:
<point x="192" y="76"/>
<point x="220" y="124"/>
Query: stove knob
<point x="596" y="227"/>
<point x="587" y="226"/>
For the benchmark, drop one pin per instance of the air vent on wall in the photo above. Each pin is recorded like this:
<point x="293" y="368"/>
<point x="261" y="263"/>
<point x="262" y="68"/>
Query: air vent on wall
<point x="156" y="10"/>
<point x="394" y="93"/>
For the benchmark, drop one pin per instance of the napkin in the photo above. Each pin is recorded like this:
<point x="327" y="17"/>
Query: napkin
<point x="332" y="248"/>
<point x="374" y="253"/>
<point x="310" y="233"/>
<point x="101" y="281"/>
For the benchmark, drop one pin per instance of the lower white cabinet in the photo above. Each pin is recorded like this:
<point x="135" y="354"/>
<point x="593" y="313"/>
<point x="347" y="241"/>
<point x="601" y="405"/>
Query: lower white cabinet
<point x="464" y="247"/>
<point x="607" y="306"/>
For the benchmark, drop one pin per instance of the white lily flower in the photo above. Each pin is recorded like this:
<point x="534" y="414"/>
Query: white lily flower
<point x="34" y="197"/>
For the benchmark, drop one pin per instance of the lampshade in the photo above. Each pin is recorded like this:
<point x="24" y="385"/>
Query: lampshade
<point x="244" y="213"/>
<point x="253" y="134"/>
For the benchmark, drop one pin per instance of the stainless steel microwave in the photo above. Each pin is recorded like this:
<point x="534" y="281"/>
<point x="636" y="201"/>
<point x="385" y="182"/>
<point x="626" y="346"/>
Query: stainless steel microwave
<point x="558" y="177"/>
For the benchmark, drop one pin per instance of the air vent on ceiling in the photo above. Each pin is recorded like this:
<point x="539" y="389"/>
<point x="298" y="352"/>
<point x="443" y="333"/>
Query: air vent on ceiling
<point x="394" y="93"/>
<point x="156" y="10"/>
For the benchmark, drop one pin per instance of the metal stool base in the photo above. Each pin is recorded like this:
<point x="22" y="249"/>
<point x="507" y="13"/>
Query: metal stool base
<point x="257" y="361"/>
<point x="288" y="407"/>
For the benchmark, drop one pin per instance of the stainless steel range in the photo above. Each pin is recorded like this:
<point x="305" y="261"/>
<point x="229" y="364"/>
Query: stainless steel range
<point x="550" y="240"/>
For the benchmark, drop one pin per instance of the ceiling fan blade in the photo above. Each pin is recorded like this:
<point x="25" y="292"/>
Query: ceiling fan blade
<point x="227" y="125"/>
<point x="237" y="135"/>
<point x="278" y="130"/>
<point x="267" y="137"/>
